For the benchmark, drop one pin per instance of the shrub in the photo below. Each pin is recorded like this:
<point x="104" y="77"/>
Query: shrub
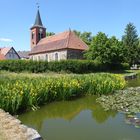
<point x="74" y="66"/>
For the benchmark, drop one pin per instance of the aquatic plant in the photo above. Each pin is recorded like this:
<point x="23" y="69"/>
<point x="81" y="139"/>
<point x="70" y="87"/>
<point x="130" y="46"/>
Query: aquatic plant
<point x="127" y="101"/>
<point x="18" y="93"/>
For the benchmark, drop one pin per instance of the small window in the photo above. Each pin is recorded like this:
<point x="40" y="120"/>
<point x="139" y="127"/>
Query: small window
<point x="33" y="35"/>
<point x="13" y="55"/>
<point x="38" y="58"/>
<point x="56" y="57"/>
<point x="32" y="58"/>
<point x="46" y="57"/>
<point x="41" y="35"/>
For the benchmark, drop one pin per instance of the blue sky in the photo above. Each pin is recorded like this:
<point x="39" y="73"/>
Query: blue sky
<point x="109" y="16"/>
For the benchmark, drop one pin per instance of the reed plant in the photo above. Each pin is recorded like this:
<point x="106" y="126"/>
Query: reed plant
<point x="19" y="93"/>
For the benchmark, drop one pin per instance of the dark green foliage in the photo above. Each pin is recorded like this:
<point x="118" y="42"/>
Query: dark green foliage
<point x="50" y="34"/>
<point x="131" y="44"/>
<point x="106" y="50"/>
<point x="73" y="66"/>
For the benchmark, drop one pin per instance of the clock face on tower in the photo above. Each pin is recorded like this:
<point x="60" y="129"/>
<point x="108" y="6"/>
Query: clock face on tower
<point x="41" y="30"/>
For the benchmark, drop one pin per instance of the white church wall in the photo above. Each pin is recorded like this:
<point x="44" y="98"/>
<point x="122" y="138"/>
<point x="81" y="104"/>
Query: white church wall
<point x="50" y="56"/>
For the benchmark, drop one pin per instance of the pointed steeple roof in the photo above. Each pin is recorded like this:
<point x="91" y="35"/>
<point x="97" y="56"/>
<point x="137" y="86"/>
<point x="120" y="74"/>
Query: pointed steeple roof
<point x="38" y="21"/>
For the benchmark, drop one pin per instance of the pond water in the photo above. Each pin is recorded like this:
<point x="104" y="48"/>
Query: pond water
<point x="80" y="119"/>
<point x="134" y="82"/>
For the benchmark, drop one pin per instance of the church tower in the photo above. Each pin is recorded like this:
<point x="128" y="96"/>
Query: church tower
<point x="38" y="31"/>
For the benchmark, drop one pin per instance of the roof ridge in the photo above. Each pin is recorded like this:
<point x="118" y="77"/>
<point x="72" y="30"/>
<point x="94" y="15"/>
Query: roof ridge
<point x="68" y="40"/>
<point x="55" y="36"/>
<point x="80" y="39"/>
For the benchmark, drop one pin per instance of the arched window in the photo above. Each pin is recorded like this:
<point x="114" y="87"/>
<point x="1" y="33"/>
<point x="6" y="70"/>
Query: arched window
<point x="56" y="56"/>
<point x="46" y="57"/>
<point x="38" y="58"/>
<point x="32" y="35"/>
<point x="32" y="57"/>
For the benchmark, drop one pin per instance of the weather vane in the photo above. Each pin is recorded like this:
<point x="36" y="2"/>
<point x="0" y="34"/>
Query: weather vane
<point x="38" y="6"/>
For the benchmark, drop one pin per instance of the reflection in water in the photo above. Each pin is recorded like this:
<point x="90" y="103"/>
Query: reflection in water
<point x="81" y="119"/>
<point x="67" y="110"/>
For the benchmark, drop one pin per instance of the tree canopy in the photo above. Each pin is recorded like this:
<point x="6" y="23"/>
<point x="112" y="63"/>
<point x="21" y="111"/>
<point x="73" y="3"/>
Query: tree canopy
<point x="131" y="43"/>
<point x="105" y="50"/>
<point x="50" y="34"/>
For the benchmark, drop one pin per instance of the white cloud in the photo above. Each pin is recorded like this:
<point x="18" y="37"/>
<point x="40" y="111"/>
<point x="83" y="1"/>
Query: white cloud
<point x="6" y="40"/>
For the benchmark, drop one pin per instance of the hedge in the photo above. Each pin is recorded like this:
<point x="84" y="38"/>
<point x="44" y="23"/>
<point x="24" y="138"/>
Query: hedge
<point x="73" y="66"/>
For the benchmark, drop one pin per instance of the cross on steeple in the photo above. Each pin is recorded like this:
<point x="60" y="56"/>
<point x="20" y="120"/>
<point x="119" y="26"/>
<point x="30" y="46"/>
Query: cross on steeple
<point x="38" y="6"/>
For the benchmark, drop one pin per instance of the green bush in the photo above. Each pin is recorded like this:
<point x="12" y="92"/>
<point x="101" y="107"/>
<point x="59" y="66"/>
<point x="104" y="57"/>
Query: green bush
<point x="74" y="66"/>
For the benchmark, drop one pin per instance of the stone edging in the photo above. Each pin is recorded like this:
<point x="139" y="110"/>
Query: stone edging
<point x="12" y="129"/>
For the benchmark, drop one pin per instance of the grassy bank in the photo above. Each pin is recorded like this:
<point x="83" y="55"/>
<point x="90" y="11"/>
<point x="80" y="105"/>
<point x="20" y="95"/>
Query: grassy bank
<point x="19" y="92"/>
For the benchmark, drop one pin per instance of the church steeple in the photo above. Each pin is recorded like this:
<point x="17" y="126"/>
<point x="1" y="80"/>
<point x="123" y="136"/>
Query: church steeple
<point x="38" y="31"/>
<point x="38" y="21"/>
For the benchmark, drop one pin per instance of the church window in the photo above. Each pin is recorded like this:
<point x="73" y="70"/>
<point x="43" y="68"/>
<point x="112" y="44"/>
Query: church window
<point x="32" y="58"/>
<point x="46" y="57"/>
<point x="38" y="58"/>
<point x="33" y="35"/>
<point x="56" y="57"/>
<point x="41" y="35"/>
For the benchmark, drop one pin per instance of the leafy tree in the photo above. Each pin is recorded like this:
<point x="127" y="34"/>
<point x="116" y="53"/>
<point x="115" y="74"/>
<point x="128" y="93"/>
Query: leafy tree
<point x="78" y="33"/>
<point x="115" y="51"/>
<point x="105" y="50"/>
<point x="50" y="34"/>
<point x="131" y="43"/>
<point x="86" y="37"/>
<point x="97" y="47"/>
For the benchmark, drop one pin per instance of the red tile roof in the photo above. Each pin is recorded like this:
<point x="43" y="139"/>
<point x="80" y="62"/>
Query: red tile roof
<point x="65" y="40"/>
<point x="5" y="50"/>
<point x="2" y="57"/>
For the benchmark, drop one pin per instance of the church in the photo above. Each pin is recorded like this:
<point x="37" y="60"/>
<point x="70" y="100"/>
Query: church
<point x="62" y="46"/>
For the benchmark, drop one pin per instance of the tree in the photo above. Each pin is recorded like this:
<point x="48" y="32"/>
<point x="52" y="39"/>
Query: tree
<point x="97" y="47"/>
<point x="86" y="37"/>
<point x="131" y="44"/>
<point x="50" y="34"/>
<point x="115" y="51"/>
<point x="105" y="50"/>
<point x="78" y="33"/>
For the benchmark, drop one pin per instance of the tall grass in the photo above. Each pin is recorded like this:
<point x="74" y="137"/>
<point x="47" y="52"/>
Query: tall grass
<point x="18" y="93"/>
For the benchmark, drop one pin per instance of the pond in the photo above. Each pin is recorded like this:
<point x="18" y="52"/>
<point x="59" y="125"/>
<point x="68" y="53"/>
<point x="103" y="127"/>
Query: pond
<point x="134" y="82"/>
<point x="80" y="119"/>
